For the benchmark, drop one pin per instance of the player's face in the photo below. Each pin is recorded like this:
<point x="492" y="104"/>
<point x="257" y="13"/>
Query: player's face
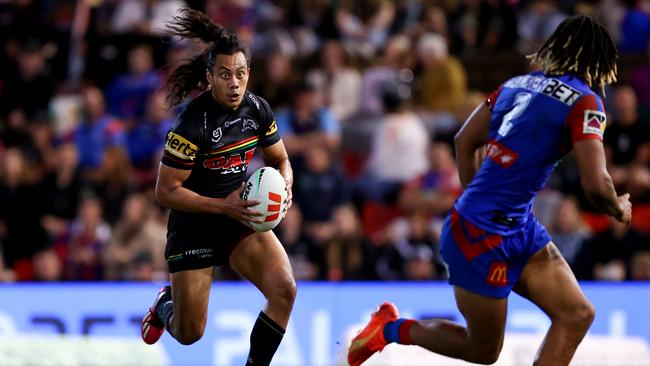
<point x="228" y="79"/>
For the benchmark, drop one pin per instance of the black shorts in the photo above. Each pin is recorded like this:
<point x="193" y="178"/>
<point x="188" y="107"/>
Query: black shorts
<point x="197" y="241"/>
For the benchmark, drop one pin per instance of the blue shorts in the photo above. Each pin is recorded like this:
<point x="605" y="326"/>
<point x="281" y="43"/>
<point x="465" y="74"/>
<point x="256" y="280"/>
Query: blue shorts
<point x="485" y="263"/>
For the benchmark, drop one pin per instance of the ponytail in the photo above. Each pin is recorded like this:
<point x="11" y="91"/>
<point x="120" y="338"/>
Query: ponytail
<point x="191" y="76"/>
<point x="194" y="24"/>
<point x="186" y="79"/>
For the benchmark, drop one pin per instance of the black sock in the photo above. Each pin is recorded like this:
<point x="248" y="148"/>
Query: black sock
<point x="265" y="340"/>
<point x="165" y="310"/>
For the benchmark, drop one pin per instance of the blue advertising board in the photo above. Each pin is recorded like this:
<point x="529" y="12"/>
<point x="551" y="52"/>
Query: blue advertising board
<point x="324" y="314"/>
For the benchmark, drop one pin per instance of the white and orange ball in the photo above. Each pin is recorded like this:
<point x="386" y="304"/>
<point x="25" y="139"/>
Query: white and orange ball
<point x="268" y="186"/>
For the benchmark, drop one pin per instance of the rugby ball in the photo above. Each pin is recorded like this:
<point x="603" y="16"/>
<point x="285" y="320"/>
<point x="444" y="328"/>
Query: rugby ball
<point x="268" y="186"/>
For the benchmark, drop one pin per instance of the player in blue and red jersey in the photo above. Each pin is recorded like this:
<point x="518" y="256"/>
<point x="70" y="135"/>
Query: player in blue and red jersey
<point x="491" y="242"/>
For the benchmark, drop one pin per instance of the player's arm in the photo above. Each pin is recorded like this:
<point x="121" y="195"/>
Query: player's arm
<point x="276" y="156"/>
<point x="469" y="141"/>
<point x="170" y="193"/>
<point x="586" y="122"/>
<point x="596" y="181"/>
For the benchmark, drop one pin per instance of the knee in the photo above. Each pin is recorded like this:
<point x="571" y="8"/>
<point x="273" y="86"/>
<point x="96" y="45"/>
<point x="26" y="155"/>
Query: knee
<point x="486" y="354"/>
<point x="189" y="333"/>
<point x="284" y="293"/>
<point x="580" y="316"/>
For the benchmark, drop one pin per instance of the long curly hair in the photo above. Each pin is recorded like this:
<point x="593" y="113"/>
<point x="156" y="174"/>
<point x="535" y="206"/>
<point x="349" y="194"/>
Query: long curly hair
<point x="581" y="46"/>
<point x="190" y="76"/>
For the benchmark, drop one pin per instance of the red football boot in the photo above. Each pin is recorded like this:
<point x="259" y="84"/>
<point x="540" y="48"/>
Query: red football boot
<point x="371" y="338"/>
<point x="152" y="326"/>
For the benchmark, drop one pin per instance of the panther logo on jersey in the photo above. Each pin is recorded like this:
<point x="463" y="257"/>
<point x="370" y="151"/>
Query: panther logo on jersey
<point x="249" y="124"/>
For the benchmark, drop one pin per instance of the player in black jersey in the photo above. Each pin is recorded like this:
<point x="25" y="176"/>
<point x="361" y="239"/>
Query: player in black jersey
<point x="201" y="177"/>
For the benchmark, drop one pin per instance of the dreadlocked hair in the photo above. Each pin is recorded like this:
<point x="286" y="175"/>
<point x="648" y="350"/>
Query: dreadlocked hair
<point x="580" y="46"/>
<point x="190" y="76"/>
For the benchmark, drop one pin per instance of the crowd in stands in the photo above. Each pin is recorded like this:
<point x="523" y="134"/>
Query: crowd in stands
<point x="368" y="95"/>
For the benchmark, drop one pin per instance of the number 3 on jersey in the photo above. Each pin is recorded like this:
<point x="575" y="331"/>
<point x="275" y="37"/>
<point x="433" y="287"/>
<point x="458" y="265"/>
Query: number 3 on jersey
<point x="520" y="104"/>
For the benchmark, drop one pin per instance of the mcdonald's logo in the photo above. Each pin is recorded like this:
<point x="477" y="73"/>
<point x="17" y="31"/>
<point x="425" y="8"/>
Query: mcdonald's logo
<point x="498" y="274"/>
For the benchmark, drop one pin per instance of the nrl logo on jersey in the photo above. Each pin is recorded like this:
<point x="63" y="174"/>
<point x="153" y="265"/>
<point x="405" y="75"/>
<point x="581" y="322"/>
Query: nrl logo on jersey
<point x="594" y="122"/>
<point x="216" y="135"/>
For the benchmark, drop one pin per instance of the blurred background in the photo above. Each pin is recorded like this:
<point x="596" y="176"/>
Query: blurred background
<point x="368" y="95"/>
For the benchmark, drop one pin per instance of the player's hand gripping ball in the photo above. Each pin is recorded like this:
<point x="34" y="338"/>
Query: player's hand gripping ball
<point x="268" y="186"/>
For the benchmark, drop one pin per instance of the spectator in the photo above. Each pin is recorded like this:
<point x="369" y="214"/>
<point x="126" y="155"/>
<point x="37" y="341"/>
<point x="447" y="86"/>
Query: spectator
<point x="637" y="183"/>
<point x="236" y="16"/>
<point x="98" y="131"/>
<point x="146" y="139"/>
<point x="441" y="80"/>
<point x="433" y="20"/>
<point x="6" y="275"/>
<point x="610" y="251"/>
<point x="144" y="269"/>
<point x="278" y="81"/>
<point x="350" y="254"/>
<point x="483" y="26"/>
<point x="628" y="133"/>
<point x="127" y="94"/>
<point x="319" y="189"/>
<point x="399" y="148"/>
<point x="435" y="191"/>
<point x="628" y="146"/>
<point x="365" y="24"/>
<point x="30" y="86"/>
<point x="635" y="28"/>
<point x="640" y="81"/>
<point x="340" y="83"/>
<point x="537" y="21"/>
<point x="21" y="209"/>
<point x="47" y="266"/>
<point x="144" y="17"/>
<point x="308" y="123"/>
<point x="15" y="131"/>
<point x="137" y="245"/>
<point x="306" y="258"/>
<point x="87" y="239"/>
<point x="63" y="187"/>
<point x="410" y="251"/>
<point x="395" y="62"/>
<point x="568" y="230"/>
<point x="115" y="180"/>
<point x="640" y="266"/>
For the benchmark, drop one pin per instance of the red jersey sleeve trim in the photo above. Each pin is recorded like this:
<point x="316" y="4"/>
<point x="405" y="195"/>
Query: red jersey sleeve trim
<point x="491" y="99"/>
<point x="586" y="119"/>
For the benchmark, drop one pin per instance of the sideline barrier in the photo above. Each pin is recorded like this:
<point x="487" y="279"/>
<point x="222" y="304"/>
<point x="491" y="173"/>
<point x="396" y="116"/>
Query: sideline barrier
<point x="325" y="316"/>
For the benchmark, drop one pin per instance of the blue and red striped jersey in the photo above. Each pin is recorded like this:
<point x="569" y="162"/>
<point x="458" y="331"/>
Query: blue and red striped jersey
<point x="535" y="120"/>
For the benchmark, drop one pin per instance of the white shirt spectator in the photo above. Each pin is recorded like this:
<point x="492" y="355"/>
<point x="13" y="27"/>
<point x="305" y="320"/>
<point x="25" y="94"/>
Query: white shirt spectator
<point x="400" y="147"/>
<point x="131" y="16"/>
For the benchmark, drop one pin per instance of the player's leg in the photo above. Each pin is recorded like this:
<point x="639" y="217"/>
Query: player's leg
<point x="547" y="281"/>
<point x="481" y="295"/>
<point x="261" y="259"/>
<point x="187" y="315"/>
<point x="480" y="342"/>
<point x="181" y="308"/>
